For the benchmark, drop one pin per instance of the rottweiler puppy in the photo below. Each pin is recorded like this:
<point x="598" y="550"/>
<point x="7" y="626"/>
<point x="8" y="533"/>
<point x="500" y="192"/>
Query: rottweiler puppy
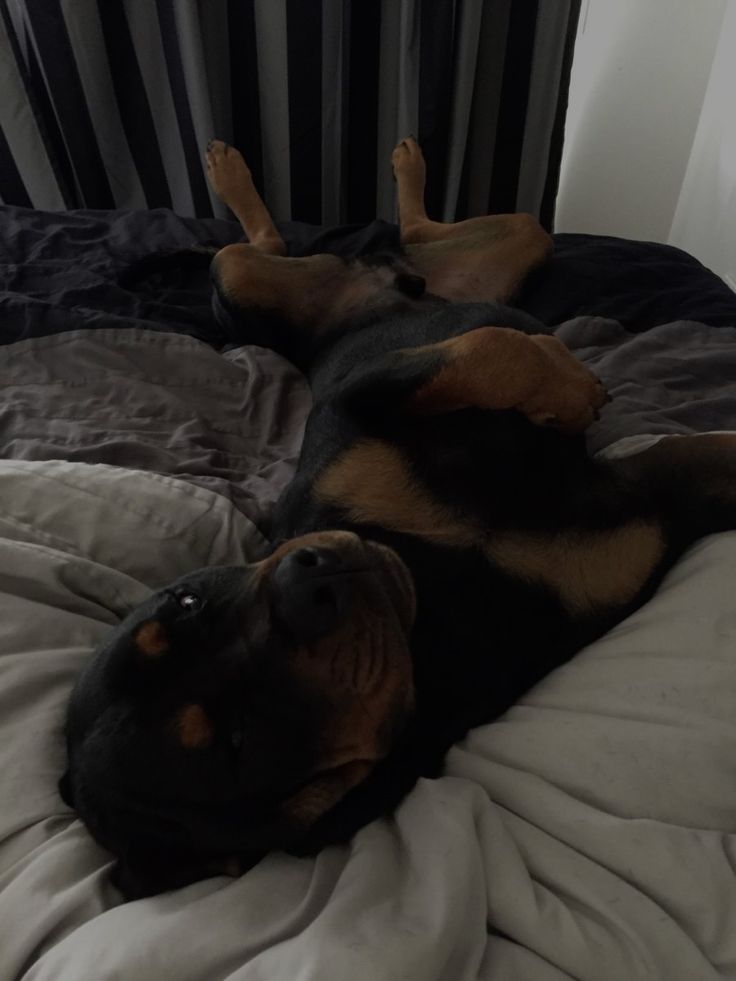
<point x="445" y="543"/>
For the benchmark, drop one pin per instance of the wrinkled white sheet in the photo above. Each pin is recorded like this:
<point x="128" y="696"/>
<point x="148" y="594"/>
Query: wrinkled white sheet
<point x="588" y="834"/>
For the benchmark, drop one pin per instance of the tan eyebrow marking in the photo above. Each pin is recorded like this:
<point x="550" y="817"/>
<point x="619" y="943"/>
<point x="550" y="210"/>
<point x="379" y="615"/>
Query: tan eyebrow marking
<point x="194" y="727"/>
<point x="151" y="639"/>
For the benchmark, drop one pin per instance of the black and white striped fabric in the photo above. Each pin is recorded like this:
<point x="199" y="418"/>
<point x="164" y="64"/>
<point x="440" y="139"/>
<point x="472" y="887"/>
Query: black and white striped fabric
<point x="109" y="103"/>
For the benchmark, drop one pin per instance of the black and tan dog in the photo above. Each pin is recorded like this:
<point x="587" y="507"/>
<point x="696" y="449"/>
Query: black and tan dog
<point x="446" y="542"/>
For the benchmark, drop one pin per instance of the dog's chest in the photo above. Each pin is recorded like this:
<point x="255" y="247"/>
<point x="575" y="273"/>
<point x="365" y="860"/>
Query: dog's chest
<point x="372" y="484"/>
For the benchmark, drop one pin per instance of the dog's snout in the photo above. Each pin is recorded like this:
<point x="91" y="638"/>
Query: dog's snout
<point x="322" y="560"/>
<point x="311" y="590"/>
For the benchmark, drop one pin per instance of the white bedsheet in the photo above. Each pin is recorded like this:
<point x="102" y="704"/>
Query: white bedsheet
<point x="589" y="834"/>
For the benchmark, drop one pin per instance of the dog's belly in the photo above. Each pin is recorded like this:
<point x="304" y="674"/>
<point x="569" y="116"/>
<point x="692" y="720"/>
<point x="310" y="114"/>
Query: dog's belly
<point x="461" y="273"/>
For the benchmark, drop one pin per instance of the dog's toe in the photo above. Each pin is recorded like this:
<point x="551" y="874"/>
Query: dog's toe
<point x="217" y="148"/>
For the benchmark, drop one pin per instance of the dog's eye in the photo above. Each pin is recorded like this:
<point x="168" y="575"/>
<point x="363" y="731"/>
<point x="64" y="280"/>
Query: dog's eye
<point x="188" y="601"/>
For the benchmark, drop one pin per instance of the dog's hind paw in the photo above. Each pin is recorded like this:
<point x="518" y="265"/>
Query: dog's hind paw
<point x="407" y="160"/>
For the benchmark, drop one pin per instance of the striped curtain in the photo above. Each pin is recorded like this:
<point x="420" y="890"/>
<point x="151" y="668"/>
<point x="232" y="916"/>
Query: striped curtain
<point x="109" y="103"/>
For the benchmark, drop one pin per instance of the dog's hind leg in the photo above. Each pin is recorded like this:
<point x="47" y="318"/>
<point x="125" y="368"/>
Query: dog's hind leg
<point x="483" y="259"/>
<point x="407" y="161"/>
<point x="486" y="368"/>
<point x="417" y="228"/>
<point x="231" y="180"/>
<point x="692" y="479"/>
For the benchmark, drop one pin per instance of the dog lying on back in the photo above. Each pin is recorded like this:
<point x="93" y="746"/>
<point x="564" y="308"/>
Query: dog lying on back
<point x="445" y="543"/>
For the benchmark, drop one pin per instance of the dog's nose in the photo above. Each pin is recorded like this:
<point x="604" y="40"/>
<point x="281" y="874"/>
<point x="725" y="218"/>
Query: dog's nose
<point x="411" y="285"/>
<point x="311" y="589"/>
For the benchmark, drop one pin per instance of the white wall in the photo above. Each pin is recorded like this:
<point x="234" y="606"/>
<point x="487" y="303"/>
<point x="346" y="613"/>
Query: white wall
<point x="705" y="219"/>
<point x="639" y="78"/>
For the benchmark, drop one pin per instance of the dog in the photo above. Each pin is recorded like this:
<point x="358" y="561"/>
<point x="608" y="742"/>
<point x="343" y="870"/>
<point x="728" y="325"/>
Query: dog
<point x="445" y="543"/>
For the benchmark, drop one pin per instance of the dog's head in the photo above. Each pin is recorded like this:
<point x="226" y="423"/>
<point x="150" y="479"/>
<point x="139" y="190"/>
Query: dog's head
<point x="233" y="709"/>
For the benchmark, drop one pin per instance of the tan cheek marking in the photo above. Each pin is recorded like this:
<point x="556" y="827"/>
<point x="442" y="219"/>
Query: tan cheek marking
<point x="372" y="483"/>
<point x="194" y="728"/>
<point x="151" y="639"/>
<point x="588" y="573"/>
<point x="309" y="804"/>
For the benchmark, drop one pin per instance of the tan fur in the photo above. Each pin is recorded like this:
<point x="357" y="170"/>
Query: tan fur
<point x="588" y="572"/>
<point x="314" y="800"/>
<point x="293" y="287"/>
<point x="194" y="728"/>
<point x="312" y="292"/>
<point x="151" y="639"/>
<point x="499" y="368"/>
<point x="373" y="484"/>
<point x="232" y="181"/>
<point x="486" y="258"/>
<point x="489" y="368"/>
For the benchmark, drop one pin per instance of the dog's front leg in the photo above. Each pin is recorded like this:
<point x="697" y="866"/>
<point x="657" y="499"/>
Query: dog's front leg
<point x="485" y="368"/>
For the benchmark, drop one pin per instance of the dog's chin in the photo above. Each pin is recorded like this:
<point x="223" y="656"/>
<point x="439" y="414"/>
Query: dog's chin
<point x="397" y="582"/>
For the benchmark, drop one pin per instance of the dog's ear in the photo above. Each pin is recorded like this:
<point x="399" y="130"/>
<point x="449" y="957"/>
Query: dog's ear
<point x="66" y="790"/>
<point x="145" y="873"/>
<point x="140" y="874"/>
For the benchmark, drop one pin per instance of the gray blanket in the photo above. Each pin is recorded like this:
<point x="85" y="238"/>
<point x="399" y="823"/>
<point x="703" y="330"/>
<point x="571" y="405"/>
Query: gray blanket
<point x="233" y="422"/>
<point x="160" y="402"/>
<point x="675" y="378"/>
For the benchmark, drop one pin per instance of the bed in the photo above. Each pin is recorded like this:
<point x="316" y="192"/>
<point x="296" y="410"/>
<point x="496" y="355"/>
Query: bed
<point x="590" y="833"/>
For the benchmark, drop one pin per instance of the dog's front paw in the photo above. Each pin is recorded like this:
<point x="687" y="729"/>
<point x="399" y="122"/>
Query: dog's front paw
<point x="569" y="396"/>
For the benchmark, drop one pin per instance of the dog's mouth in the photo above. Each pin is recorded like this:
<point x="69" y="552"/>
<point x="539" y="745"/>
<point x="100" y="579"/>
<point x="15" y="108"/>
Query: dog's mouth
<point x="398" y="582"/>
<point x="347" y="608"/>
